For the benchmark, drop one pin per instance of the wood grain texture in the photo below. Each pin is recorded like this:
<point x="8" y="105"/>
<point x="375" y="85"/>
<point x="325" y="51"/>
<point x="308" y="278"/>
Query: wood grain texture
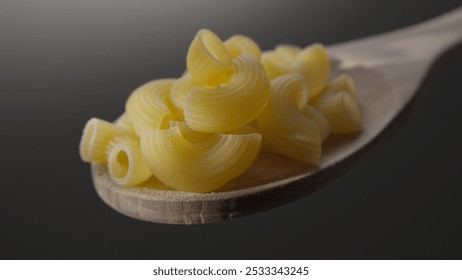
<point x="387" y="69"/>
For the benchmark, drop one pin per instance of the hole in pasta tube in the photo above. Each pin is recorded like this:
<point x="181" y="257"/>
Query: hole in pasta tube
<point x="121" y="165"/>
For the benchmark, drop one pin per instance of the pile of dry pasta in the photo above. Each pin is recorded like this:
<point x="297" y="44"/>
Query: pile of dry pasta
<point x="197" y="132"/>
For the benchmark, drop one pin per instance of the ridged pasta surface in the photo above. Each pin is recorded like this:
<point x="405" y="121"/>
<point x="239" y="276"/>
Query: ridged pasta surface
<point x="343" y="82"/>
<point x="233" y="104"/>
<point x="197" y="162"/>
<point x="240" y="44"/>
<point x="125" y="124"/>
<point x="149" y="106"/>
<point x="288" y="124"/>
<point x="342" y="111"/>
<point x="312" y="62"/>
<point x="180" y="91"/>
<point x="96" y="136"/>
<point x="208" y="60"/>
<point x="197" y="132"/>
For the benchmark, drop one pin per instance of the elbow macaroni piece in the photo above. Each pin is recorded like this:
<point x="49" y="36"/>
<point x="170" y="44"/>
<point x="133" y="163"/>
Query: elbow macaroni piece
<point x="231" y="105"/>
<point x="192" y="161"/>
<point x="149" y="106"/>
<point x="125" y="163"/>
<point x="288" y="124"/>
<point x="95" y="137"/>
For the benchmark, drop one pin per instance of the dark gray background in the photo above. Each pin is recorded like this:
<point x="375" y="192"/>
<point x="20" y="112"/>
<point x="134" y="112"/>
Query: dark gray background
<point x="63" y="62"/>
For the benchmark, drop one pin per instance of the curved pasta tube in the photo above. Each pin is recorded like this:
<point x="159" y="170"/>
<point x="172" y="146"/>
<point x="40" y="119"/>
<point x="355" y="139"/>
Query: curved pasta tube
<point x="288" y="124"/>
<point x="149" y="106"/>
<point x="95" y="138"/>
<point x="126" y="166"/>
<point x="240" y="44"/>
<point x="343" y="82"/>
<point x="313" y="63"/>
<point x="342" y="111"/>
<point x="233" y="104"/>
<point x="208" y="60"/>
<point x="191" y="161"/>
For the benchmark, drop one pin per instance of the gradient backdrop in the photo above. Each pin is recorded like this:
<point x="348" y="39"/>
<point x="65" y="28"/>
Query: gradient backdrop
<point x="63" y="62"/>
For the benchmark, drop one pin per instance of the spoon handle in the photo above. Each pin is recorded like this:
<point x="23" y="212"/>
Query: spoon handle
<point x="432" y="37"/>
<point x="421" y="42"/>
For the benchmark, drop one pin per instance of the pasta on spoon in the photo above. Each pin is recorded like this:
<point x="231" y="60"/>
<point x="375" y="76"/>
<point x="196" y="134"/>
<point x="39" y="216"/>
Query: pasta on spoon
<point x="197" y="132"/>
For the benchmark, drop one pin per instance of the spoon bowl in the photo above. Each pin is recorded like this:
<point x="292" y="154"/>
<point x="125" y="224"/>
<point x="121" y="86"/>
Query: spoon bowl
<point x="387" y="70"/>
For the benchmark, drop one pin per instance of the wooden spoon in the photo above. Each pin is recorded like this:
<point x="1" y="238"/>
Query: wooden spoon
<point x="387" y="69"/>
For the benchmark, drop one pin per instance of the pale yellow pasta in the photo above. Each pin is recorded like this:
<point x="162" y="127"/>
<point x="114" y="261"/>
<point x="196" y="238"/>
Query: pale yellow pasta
<point x="198" y="132"/>
<point x="233" y="104"/>
<point x="279" y="61"/>
<point x="95" y="137"/>
<point x="180" y="91"/>
<point x="125" y="124"/>
<point x="125" y="163"/>
<point x="342" y="82"/>
<point x="275" y="64"/>
<point x="247" y="129"/>
<point x="191" y="161"/>
<point x="320" y="120"/>
<point x="208" y="60"/>
<point x="154" y="183"/>
<point x="312" y="62"/>
<point x="342" y="111"/>
<point x="287" y="51"/>
<point x="149" y="106"/>
<point x="289" y="126"/>
<point x="240" y="44"/>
